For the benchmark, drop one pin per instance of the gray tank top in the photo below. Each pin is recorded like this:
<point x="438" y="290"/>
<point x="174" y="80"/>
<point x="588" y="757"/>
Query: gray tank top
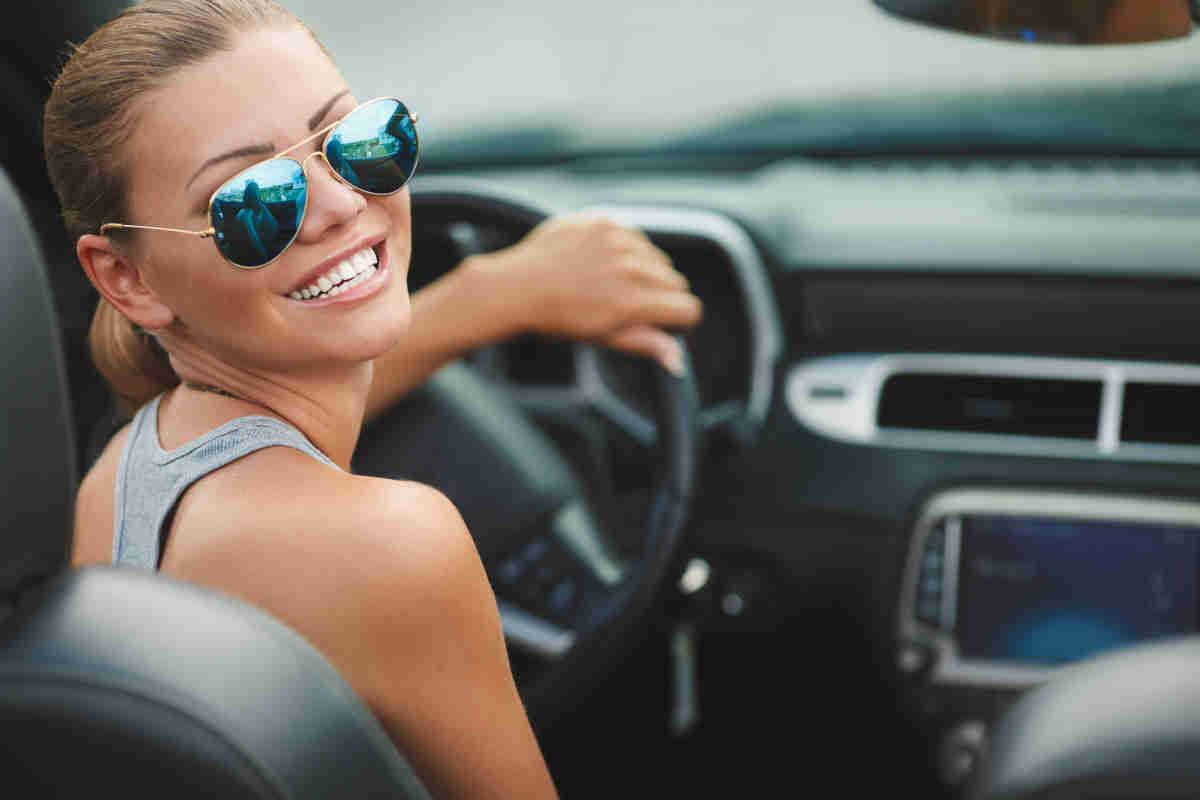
<point x="151" y="480"/>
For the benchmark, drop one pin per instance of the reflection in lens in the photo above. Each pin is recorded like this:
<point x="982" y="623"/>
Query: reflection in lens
<point x="375" y="148"/>
<point x="256" y="214"/>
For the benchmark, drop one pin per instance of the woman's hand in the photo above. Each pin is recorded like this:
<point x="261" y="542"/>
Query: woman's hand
<point x="583" y="278"/>
<point x="590" y="279"/>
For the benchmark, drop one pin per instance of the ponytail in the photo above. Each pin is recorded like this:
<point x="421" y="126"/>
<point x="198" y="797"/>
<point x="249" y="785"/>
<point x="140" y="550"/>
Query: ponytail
<point x="133" y="363"/>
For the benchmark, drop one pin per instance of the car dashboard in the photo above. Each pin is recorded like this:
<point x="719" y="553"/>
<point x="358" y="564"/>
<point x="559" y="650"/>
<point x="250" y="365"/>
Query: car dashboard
<point x="947" y="403"/>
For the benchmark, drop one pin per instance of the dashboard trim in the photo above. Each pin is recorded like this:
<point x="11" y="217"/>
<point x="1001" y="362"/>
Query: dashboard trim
<point x="953" y="546"/>
<point x="838" y="397"/>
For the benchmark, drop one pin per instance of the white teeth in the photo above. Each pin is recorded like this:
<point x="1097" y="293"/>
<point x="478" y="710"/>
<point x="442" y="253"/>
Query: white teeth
<point x="351" y="271"/>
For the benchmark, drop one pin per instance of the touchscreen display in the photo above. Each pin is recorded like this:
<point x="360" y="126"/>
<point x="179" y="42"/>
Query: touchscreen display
<point x="1050" y="591"/>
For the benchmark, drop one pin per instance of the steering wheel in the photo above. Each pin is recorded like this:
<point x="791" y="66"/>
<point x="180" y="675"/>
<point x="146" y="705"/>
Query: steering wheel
<point x="568" y="599"/>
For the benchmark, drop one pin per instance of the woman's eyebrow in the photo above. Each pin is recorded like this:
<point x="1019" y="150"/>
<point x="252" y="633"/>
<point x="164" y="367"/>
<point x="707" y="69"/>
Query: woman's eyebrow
<point x="316" y="118"/>
<point x="267" y="148"/>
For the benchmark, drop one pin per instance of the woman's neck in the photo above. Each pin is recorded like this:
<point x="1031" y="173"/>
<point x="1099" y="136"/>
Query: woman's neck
<point x="326" y="405"/>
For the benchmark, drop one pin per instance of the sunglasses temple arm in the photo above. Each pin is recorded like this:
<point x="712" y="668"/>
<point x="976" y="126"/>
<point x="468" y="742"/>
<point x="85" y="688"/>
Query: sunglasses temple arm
<point x="207" y="233"/>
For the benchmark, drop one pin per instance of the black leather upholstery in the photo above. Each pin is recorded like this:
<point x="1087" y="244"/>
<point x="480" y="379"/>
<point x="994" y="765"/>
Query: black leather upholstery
<point x="38" y="474"/>
<point x="126" y="679"/>
<point x="119" y="680"/>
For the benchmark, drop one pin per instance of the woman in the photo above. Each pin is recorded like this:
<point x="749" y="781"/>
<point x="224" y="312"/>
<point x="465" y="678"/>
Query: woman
<point x="252" y="415"/>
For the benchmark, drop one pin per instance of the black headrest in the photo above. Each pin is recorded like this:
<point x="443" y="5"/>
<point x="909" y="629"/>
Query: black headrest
<point x="37" y="477"/>
<point x="38" y="47"/>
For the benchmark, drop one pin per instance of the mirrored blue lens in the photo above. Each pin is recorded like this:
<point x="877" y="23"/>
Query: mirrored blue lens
<point x="257" y="213"/>
<point x="375" y="147"/>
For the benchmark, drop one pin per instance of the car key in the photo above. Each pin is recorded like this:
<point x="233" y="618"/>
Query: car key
<point x="685" y="692"/>
<point x="685" y="697"/>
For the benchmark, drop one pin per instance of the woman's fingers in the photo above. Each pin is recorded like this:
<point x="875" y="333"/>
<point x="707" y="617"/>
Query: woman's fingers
<point x="644" y="261"/>
<point x="587" y="278"/>
<point x="648" y="341"/>
<point x="653" y="269"/>
<point x="665" y="308"/>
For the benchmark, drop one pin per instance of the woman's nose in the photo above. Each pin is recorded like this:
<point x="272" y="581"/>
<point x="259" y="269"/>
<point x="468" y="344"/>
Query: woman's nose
<point x="330" y="202"/>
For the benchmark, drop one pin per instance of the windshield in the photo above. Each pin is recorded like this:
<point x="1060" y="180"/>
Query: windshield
<point x="541" y="80"/>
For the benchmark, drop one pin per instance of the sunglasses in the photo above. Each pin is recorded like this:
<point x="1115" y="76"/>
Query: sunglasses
<point x="256" y="214"/>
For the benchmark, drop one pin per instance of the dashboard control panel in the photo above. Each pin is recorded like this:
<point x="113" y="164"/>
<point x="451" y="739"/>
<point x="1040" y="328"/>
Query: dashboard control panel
<point x="1003" y="587"/>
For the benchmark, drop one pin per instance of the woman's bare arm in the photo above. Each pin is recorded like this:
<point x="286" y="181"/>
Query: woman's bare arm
<point x="383" y="578"/>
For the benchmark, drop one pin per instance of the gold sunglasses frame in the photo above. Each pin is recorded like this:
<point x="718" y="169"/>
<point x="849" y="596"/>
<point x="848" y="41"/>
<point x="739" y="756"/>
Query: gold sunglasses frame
<point x="327" y="132"/>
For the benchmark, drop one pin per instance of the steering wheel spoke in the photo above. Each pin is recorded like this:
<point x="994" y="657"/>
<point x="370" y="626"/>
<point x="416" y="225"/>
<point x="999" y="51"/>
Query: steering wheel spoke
<point x="588" y="393"/>
<point x="534" y="635"/>
<point x="608" y="403"/>
<point x="565" y="401"/>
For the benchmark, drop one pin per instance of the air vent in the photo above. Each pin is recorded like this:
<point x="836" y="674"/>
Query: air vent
<point x="1065" y="409"/>
<point x="1160" y="413"/>
<point x="1015" y="405"/>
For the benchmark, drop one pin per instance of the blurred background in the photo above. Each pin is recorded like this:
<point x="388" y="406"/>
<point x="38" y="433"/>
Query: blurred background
<point x="620" y="74"/>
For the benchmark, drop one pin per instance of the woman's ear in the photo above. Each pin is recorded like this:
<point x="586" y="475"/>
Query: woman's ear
<point x="120" y="282"/>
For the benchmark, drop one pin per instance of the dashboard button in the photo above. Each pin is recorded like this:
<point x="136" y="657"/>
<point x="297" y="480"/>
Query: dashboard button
<point x="561" y="600"/>
<point x="962" y="750"/>
<point x="912" y="659"/>
<point x="510" y="571"/>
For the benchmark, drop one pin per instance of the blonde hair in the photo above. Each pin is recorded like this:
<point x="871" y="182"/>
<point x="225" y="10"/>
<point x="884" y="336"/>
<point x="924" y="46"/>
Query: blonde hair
<point x="88" y="119"/>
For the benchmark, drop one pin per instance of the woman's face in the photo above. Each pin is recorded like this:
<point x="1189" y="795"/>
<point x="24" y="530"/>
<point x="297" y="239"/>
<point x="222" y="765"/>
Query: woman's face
<point x="214" y="119"/>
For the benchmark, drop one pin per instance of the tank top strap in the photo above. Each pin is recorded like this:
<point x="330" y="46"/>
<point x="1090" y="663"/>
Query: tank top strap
<point x="151" y="480"/>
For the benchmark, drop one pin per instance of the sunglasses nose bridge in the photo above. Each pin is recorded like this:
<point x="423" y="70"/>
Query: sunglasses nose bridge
<point x="332" y="204"/>
<point x="314" y="154"/>
<point x="336" y="176"/>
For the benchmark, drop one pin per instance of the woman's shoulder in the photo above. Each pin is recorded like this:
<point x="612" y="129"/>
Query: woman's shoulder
<point x="332" y="554"/>
<point x="282" y="484"/>
<point x="279" y="503"/>
<point x="273" y="497"/>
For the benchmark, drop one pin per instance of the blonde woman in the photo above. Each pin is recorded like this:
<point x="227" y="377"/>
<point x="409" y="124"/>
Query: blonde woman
<point x="253" y="368"/>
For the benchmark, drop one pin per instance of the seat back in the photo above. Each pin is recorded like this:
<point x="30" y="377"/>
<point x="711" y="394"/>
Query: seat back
<point x="37" y="473"/>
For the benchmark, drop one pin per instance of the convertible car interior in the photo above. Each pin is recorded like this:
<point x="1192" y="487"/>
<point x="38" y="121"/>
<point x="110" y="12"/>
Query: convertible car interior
<point x="923" y="518"/>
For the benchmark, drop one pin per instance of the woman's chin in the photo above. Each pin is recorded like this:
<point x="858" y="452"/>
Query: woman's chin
<point x="387" y="333"/>
<point x="377" y="333"/>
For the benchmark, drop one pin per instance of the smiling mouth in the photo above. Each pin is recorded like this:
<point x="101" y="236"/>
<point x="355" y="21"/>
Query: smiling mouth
<point x="344" y="275"/>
